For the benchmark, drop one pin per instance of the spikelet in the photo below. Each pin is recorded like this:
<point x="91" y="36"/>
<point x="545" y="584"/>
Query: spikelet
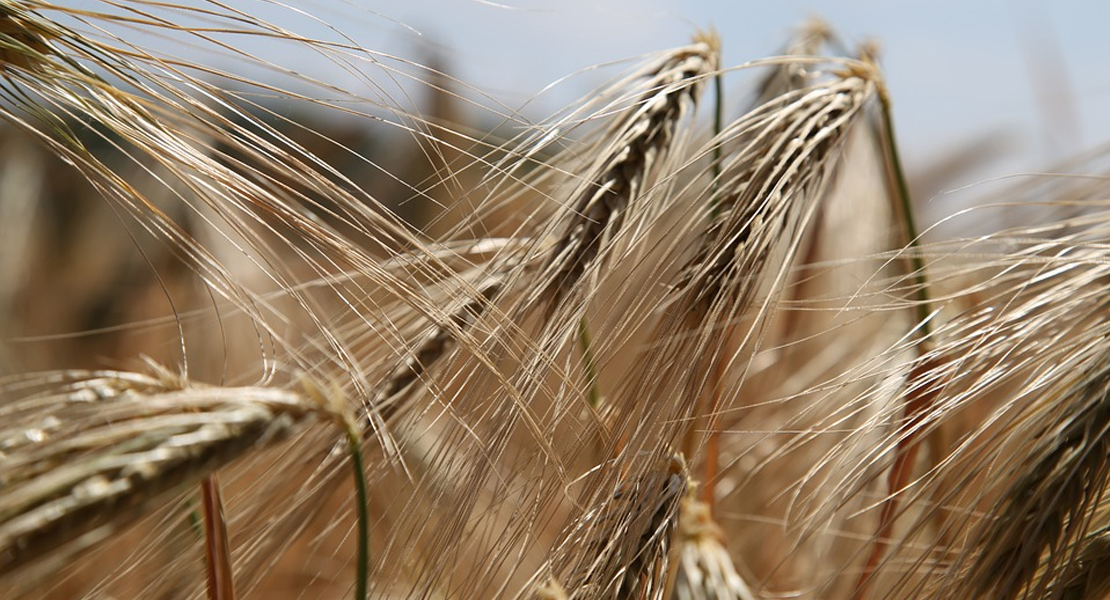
<point x="705" y="570"/>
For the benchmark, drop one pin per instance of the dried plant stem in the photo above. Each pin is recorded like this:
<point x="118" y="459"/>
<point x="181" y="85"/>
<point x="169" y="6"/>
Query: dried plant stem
<point x="713" y="441"/>
<point x="718" y="125"/>
<point x="221" y="584"/>
<point x="711" y="414"/>
<point x="336" y="406"/>
<point x="905" y="207"/>
<point x="917" y="406"/>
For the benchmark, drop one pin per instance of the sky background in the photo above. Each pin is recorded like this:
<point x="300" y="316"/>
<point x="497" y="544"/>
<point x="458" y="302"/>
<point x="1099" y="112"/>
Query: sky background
<point x="1033" y="73"/>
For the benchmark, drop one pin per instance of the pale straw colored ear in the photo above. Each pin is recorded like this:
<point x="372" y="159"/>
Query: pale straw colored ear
<point x="110" y="446"/>
<point x="624" y="170"/>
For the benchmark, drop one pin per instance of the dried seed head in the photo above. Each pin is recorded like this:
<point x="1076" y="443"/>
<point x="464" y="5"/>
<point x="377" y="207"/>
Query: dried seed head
<point x="1047" y="507"/>
<point x="619" y="549"/>
<point x="107" y="458"/>
<point x="770" y="187"/>
<point x="635" y="145"/>
<point x="432" y="346"/>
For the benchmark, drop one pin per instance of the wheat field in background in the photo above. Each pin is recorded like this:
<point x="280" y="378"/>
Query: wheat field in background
<point x="684" y="339"/>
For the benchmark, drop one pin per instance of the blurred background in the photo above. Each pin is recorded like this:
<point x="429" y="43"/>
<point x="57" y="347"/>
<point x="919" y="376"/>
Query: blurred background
<point x="1031" y="70"/>
<point x="980" y="90"/>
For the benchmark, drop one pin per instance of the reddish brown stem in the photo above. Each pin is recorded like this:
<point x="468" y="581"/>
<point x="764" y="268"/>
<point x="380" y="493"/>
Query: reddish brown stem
<point x="920" y="401"/>
<point x="217" y="549"/>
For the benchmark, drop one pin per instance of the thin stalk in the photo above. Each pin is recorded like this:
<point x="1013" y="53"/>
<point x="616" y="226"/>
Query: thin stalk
<point x="332" y="401"/>
<point x="718" y="125"/>
<point x="221" y="584"/>
<point x="362" y="496"/>
<point x="713" y="447"/>
<point x="905" y="205"/>
<point x="589" y="362"/>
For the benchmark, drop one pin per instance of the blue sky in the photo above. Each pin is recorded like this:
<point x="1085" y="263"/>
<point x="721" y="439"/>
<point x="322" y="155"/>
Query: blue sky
<point x="1033" y="70"/>
<point x="955" y="69"/>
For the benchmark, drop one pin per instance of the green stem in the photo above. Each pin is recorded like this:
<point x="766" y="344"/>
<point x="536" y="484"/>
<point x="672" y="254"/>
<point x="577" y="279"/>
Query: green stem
<point x="718" y="125"/>
<point x="362" y="583"/>
<point x="196" y="521"/>
<point x="589" y="363"/>
<point x="905" y="203"/>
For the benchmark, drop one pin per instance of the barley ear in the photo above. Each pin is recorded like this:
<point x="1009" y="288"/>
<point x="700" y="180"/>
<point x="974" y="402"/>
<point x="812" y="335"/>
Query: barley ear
<point x="620" y="548"/>
<point x="1047" y="507"/>
<point x="705" y="570"/>
<point x="618" y="178"/>
<point x="98" y="466"/>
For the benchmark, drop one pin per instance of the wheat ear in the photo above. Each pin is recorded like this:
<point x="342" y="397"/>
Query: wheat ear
<point x="1047" y="507"/>
<point x="95" y="463"/>
<point x="432" y="346"/>
<point x="772" y="180"/>
<point x="620" y="175"/>
<point x="620" y="548"/>
<point x="771" y="185"/>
